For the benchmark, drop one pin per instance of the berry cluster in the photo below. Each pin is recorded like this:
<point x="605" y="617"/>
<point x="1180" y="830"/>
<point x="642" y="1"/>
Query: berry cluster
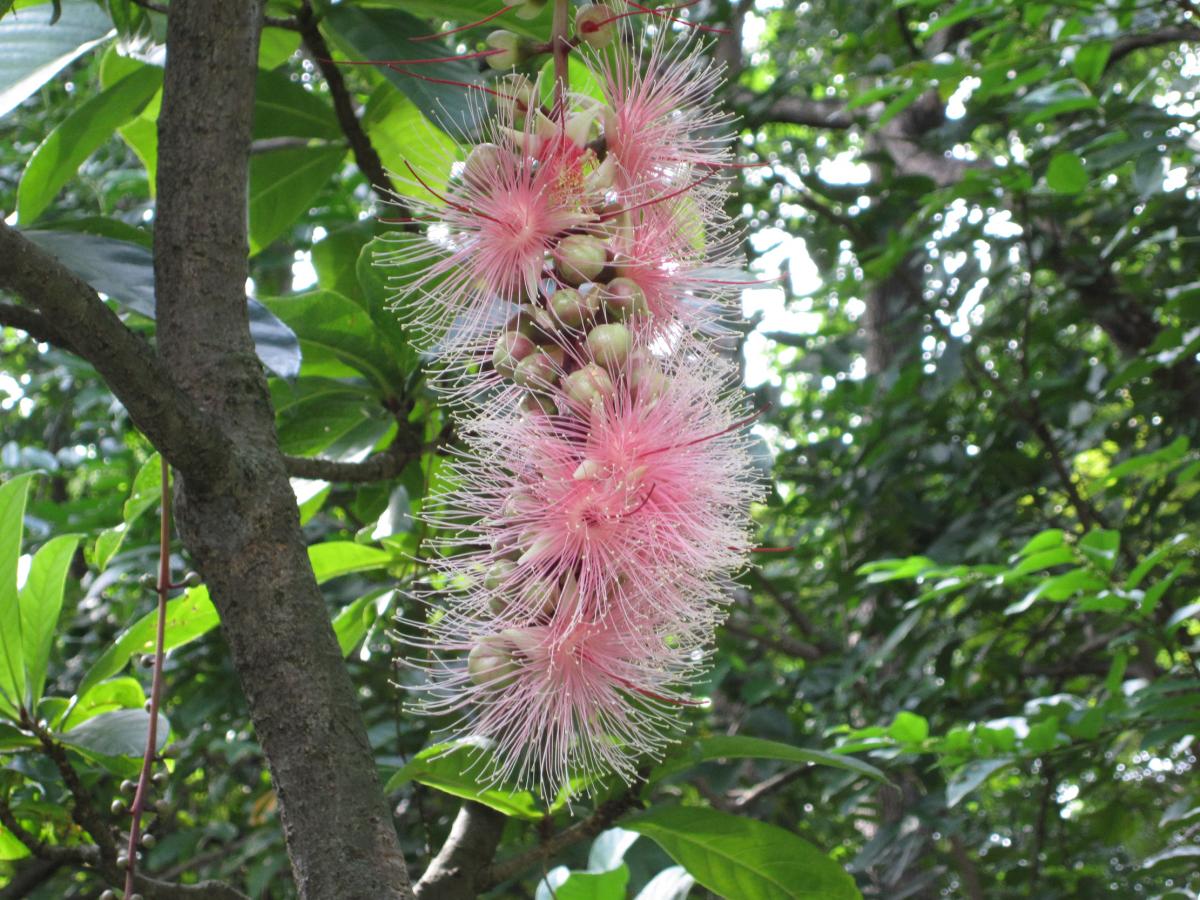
<point x="573" y="278"/>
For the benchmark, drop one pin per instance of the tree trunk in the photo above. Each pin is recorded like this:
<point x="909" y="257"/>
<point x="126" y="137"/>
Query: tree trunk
<point x="239" y="519"/>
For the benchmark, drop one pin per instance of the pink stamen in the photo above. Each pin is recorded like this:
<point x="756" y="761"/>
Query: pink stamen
<point x="659" y="10"/>
<point x="483" y="21"/>
<point x="654" y="200"/>
<point x="741" y="423"/>
<point x="391" y="63"/>
<point x="447" y="200"/>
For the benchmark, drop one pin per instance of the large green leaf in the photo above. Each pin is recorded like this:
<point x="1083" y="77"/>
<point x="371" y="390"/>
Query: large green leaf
<point x="188" y="617"/>
<point x="41" y="601"/>
<point x="563" y="884"/>
<point x="125" y="272"/>
<point x="328" y="321"/>
<point x="459" y="768"/>
<point x="283" y="185"/>
<point x="122" y="732"/>
<point x="13" y="495"/>
<point x="32" y="50"/>
<point x="373" y="33"/>
<point x="403" y="137"/>
<point x="285" y="108"/>
<point x="737" y="857"/>
<point x="89" y="126"/>
<point x="738" y="747"/>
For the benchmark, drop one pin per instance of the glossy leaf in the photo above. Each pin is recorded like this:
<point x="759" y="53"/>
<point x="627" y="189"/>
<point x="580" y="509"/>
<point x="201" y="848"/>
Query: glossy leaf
<point x="13" y="494"/>
<point x="122" y="732"/>
<point x="125" y="272"/>
<point x="41" y="600"/>
<point x="744" y="747"/>
<point x="57" y="158"/>
<point x="32" y="50"/>
<point x="459" y="768"/>
<point x="283" y="185"/>
<point x="739" y="857"/>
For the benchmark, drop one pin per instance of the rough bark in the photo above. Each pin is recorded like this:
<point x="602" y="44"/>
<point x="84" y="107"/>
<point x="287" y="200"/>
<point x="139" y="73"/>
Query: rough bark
<point x="471" y="845"/>
<point x="239" y="520"/>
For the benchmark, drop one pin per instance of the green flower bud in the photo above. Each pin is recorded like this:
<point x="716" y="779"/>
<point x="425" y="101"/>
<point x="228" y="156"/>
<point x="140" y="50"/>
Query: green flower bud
<point x="624" y="299"/>
<point x="647" y="380"/>
<point x="483" y="164"/>
<point x="491" y="662"/>
<point x="538" y="370"/>
<point x="609" y="345"/>
<point x="538" y="405"/>
<point x="529" y="9"/>
<point x="511" y="348"/>
<point x="579" y="258"/>
<point x="595" y="26"/>
<point x="588" y="385"/>
<point x="515" y="48"/>
<point x="572" y="308"/>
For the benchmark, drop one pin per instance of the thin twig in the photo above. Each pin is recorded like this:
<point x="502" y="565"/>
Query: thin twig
<point x="163" y="588"/>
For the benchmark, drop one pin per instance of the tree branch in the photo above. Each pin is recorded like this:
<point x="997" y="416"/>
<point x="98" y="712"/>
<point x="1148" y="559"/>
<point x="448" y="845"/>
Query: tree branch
<point x="1130" y="43"/>
<point x="128" y="364"/>
<point x="33" y="324"/>
<point x="784" y="644"/>
<point x="470" y="847"/>
<point x="378" y="467"/>
<point x="791" y="110"/>
<point x="365" y="155"/>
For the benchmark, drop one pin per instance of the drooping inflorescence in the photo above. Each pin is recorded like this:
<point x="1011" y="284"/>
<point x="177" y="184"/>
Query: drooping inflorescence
<point x="572" y="280"/>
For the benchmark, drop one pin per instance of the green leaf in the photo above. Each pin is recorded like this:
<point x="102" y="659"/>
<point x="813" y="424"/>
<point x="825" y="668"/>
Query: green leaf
<point x="971" y="776"/>
<point x="1066" y="174"/>
<point x="459" y="768"/>
<point x="13" y="494"/>
<point x="283" y="185"/>
<point x="90" y="125"/>
<point x="563" y="884"/>
<point x="377" y="33"/>
<point x="739" y="747"/>
<point x="276" y="47"/>
<point x="356" y="618"/>
<point x="32" y="50"/>
<point x="1040" y="561"/>
<point x="125" y="272"/>
<point x="285" y="108"/>
<point x="324" y="320"/>
<point x="1090" y="61"/>
<point x="122" y="732"/>
<point x="1143" y="568"/>
<point x="107" y="696"/>
<point x="909" y="728"/>
<point x="146" y="492"/>
<point x="404" y="137"/>
<point x="41" y="601"/>
<point x="188" y="617"/>
<point x="1101" y="547"/>
<point x="737" y="857"/>
<point x="1043" y="540"/>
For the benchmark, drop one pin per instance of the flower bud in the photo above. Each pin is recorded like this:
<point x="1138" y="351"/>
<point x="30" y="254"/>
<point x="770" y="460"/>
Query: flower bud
<point x="609" y="345"/>
<point x="498" y="574"/>
<point x="647" y="380"/>
<point x="537" y="371"/>
<point x="483" y="164"/>
<point x="148" y="841"/>
<point x="596" y="25"/>
<point x="588" y="385"/>
<point x="511" y="348"/>
<point x="624" y="299"/>
<point x="514" y="97"/>
<point x="573" y="308"/>
<point x="529" y="9"/>
<point x="491" y="662"/>
<point x="538" y="405"/>
<point x="117" y="808"/>
<point x="579" y="258"/>
<point x="515" y="49"/>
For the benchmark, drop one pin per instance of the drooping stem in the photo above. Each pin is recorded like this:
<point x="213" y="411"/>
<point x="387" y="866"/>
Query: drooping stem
<point x="560" y="42"/>
<point x="162" y="588"/>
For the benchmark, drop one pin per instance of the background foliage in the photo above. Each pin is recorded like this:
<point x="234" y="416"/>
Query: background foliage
<point x="982" y="367"/>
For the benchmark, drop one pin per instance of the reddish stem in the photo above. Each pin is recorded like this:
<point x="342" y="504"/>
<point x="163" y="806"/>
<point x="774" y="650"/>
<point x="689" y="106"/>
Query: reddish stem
<point x="164" y="584"/>
<point x="468" y="27"/>
<point x="560" y="43"/>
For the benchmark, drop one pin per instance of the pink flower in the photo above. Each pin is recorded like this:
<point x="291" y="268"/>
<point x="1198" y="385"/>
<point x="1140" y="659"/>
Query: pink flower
<point x="662" y="125"/>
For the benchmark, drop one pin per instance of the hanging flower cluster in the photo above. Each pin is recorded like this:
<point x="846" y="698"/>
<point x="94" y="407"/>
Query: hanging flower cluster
<point x="572" y="278"/>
